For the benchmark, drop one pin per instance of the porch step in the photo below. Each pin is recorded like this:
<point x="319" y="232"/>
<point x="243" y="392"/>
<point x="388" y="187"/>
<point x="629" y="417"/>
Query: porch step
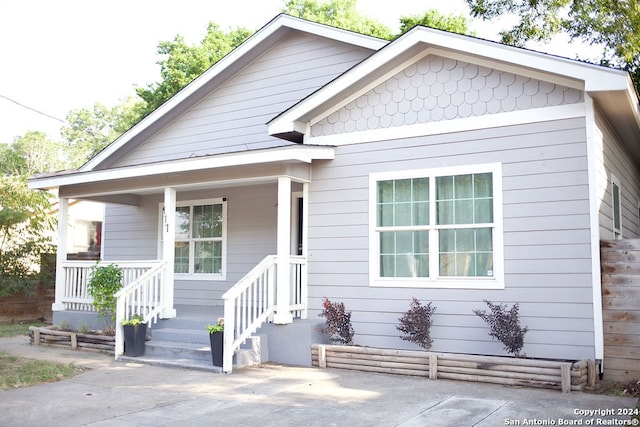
<point x="179" y="335"/>
<point x="197" y="355"/>
<point x="176" y="354"/>
<point x="185" y="343"/>
<point x="173" y="350"/>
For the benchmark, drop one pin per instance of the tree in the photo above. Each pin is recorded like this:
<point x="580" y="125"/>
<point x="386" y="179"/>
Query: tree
<point x="12" y="163"/>
<point x="182" y="63"/>
<point x="37" y="154"/>
<point x="24" y="222"/>
<point x="434" y="19"/>
<point x="612" y="24"/>
<point x="24" y="217"/>
<point x="90" y="130"/>
<point x="337" y="13"/>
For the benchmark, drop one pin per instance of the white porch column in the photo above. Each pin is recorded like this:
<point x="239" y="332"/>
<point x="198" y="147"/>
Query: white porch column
<point x="168" y="250"/>
<point x="61" y="255"/>
<point x="283" y="314"/>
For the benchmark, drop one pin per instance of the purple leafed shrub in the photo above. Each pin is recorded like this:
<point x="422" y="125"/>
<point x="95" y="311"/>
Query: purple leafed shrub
<point x="338" y="326"/>
<point x="505" y="326"/>
<point x="416" y="324"/>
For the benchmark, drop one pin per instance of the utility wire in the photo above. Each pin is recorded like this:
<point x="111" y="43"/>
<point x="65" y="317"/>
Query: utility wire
<point x="33" y="109"/>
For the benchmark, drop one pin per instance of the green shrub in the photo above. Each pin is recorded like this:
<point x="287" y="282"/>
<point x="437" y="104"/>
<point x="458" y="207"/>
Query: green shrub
<point x="104" y="283"/>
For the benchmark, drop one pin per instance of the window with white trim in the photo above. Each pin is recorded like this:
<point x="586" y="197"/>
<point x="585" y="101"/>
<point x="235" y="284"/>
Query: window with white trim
<point x="616" y="207"/>
<point x="200" y="238"/>
<point x="437" y="227"/>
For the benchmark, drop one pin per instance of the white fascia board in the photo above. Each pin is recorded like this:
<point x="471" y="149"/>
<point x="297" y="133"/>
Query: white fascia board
<point x="539" y="65"/>
<point x="298" y="153"/>
<point x="595" y="77"/>
<point x="280" y="21"/>
<point x="334" y="33"/>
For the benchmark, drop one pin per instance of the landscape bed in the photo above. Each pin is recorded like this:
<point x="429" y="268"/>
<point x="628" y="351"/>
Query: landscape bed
<point x="72" y="339"/>
<point x="550" y="374"/>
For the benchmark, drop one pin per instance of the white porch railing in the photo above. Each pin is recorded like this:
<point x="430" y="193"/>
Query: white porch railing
<point x="298" y="282"/>
<point x="143" y="296"/>
<point x="251" y="302"/>
<point x="77" y="274"/>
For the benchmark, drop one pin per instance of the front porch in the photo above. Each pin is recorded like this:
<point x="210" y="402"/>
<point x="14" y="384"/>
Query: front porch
<point x="182" y="339"/>
<point x="226" y="231"/>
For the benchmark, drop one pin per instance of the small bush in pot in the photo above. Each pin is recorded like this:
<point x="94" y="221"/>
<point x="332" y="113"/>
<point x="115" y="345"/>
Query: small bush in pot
<point x="135" y="335"/>
<point x="416" y="324"/>
<point x="216" y="338"/>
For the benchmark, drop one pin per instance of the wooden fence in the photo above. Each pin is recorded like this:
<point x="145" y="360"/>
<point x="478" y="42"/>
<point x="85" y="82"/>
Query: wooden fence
<point x="621" y="309"/>
<point x="22" y="308"/>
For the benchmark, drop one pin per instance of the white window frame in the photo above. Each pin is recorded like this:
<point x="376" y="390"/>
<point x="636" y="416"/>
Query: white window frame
<point x="222" y="276"/>
<point x="434" y="281"/>
<point x="617" y="231"/>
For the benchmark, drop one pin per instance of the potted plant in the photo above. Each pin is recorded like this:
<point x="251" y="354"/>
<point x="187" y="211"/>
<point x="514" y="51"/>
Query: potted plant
<point x="135" y="332"/>
<point x="216" y="337"/>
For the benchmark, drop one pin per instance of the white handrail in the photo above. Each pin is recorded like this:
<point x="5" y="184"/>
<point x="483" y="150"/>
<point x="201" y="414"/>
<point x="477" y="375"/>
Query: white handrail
<point x="252" y="301"/>
<point x="142" y="296"/>
<point x="247" y="305"/>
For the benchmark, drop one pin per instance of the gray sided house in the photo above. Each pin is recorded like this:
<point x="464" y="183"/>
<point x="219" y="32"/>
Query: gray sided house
<point x="313" y="162"/>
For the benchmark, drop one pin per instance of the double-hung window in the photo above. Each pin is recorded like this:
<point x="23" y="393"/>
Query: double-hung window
<point x="439" y="228"/>
<point x="200" y="239"/>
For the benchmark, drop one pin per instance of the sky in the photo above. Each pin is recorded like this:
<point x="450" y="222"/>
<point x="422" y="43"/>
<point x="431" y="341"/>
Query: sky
<point x="64" y="55"/>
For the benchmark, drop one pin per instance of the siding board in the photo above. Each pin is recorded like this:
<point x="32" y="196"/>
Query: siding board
<point x="233" y="117"/>
<point x="132" y="234"/>
<point x="616" y="160"/>
<point x="546" y="238"/>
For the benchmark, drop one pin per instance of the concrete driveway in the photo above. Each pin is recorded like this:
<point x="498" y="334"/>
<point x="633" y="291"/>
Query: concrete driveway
<point x="127" y="394"/>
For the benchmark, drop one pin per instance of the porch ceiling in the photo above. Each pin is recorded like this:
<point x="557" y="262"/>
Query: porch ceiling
<point x="125" y="185"/>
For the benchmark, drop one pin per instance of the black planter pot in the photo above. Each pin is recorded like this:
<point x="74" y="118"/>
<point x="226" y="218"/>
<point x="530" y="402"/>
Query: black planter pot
<point x="134" y="339"/>
<point x="217" y="347"/>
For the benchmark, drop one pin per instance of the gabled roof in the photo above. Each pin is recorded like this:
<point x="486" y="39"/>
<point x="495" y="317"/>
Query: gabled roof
<point x="612" y="88"/>
<point x="261" y="40"/>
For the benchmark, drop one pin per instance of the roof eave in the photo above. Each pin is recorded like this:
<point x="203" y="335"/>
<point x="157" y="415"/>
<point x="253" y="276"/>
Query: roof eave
<point x="291" y="153"/>
<point x="589" y="77"/>
<point x="280" y="24"/>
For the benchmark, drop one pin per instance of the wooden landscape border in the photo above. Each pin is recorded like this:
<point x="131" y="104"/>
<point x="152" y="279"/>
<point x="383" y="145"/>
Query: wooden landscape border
<point x="550" y="374"/>
<point x="72" y="339"/>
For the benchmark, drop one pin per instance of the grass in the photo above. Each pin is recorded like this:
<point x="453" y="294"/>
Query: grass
<point x="20" y="372"/>
<point x="16" y="329"/>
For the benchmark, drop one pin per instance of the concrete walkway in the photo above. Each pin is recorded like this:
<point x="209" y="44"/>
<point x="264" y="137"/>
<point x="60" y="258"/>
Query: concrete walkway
<point x="130" y="394"/>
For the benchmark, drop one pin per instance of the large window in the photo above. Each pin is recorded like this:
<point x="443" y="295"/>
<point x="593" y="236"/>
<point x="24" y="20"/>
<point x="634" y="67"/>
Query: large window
<point x="200" y="246"/>
<point x="437" y="227"/>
